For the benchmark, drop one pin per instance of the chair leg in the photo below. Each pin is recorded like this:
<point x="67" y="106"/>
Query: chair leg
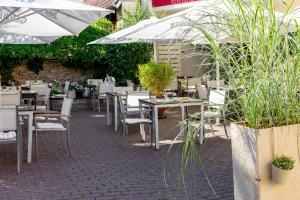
<point x="224" y="123"/>
<point x="19" y="156"/>
<point x="126" y="129"/>
<point x="225" y="129"/>
<point x="36" y="145"/>
<point x="211" y="128"/>
<point x="69" y="143"/>
<point x="99" y="106"/>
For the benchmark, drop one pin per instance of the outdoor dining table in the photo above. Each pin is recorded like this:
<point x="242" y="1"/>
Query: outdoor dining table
<point x="183" y="103"/>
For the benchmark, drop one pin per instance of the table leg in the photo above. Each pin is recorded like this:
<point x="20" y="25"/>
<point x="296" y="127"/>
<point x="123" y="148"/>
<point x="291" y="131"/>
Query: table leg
<point x="116" y="113"/>
<point x="156" y="129"/>
<point x="29" y="150"/>
<point x="34" y="102"/>
<point x="107" y="111"/>
<point x="94" y="100"/>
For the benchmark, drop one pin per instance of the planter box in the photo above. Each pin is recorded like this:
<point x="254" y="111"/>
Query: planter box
<point x="252" y="153"/>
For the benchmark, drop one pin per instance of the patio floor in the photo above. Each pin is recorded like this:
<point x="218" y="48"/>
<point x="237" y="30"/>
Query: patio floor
<point x="109" y="166"/>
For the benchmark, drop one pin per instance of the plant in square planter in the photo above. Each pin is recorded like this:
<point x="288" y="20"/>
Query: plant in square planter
<point x="282" y="169"/>
<point x="263" y="55"/>
<point x="76" y="90"/>
<point x="156" y="78"/>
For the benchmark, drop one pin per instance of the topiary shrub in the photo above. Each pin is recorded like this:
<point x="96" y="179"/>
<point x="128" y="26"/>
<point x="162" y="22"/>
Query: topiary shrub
<point x="156" y="77"/>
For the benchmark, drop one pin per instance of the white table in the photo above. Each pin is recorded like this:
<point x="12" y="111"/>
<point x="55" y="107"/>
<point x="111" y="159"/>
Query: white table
<point x="183" y="103"/>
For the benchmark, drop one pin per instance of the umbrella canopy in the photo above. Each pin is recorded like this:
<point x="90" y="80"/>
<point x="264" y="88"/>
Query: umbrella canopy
<point x="13" y="38"/>
<point x="120" y="36"/>
<point x="182" y="26"/>
<point x="47" y="18"/>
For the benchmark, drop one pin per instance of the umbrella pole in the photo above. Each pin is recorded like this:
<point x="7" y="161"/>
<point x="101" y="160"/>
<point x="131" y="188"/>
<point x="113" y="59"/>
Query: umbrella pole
<point x="155" y="53"/>
<point x="218" y="75"/>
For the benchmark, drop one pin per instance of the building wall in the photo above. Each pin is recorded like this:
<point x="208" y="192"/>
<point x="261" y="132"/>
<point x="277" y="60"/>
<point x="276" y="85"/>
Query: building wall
<point x="52" y="70"/>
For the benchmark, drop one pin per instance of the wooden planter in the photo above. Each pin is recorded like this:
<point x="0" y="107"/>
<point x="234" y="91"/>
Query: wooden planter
<point x="252" y="154"/>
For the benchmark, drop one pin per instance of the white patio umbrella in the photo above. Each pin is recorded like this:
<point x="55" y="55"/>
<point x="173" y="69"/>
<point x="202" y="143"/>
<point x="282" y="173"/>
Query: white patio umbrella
<point x="47" y="18"/>
<point x="120" y="36"/>
<point x="13" y="38"/>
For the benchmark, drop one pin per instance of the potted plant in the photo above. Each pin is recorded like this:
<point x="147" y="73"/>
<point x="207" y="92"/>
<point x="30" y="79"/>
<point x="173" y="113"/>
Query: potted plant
<point x="156" y="78"/>
<point x="264" y="58"/>
<point x="76" y="90"/>
<point x="282" y="169"/>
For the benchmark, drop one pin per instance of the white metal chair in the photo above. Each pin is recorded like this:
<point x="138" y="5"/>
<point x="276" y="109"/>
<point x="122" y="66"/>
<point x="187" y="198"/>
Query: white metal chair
<point x="62" y="125"/>
<point x="122" y="90"/>
<point x="202" y="92"/>
<point x="126" y="120"/>
<point x="10" y="130"/>
<point x="103" y="89"/>
<point x="132" y="100"/>
<point x="215" y="110"/>
<point x="10" y="97"/>
<point x="65" y="91"/>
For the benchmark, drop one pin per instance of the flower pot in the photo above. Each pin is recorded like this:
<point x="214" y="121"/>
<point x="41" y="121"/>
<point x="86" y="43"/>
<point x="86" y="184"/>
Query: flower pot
<point x="280" y="176"/>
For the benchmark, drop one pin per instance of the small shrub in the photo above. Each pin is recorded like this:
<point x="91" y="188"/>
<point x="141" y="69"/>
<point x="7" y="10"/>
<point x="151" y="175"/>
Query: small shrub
<point x="156" y="77"/>
<point x="284" y="162"/>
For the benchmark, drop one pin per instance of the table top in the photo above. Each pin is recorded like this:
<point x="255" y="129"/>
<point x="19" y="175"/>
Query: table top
<point x="28" y="92"/>
<point x="172" y="101"/>
<point x="115" y="94"/>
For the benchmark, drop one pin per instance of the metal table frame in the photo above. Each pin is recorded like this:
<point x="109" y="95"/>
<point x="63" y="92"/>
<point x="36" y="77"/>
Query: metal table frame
<point x="154" y="105"/>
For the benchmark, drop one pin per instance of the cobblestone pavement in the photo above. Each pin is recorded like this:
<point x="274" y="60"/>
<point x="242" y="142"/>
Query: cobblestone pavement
<point x="109" y="166"/>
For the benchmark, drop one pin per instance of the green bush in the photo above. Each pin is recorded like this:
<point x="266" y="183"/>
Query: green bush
<point x="156" y="77"/>
<point x="284" y="162"/>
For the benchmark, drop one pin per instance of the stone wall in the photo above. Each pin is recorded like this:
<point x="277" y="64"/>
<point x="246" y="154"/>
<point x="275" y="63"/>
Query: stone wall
<point x="52" y="70"/>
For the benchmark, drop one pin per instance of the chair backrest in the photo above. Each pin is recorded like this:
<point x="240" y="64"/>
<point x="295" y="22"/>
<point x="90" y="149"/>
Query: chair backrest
<point x="194" y="81"/>
<point x="129" y="83"/>
<point x="132" y="98"/>
<point x="94" y="81"/>
<point x="66" y="108"/>
<point x="67" y="86"/>
<point x="10" y="97"/>
<point x="8" y="118"/>
<point x="173" y="86"/>
<point x="217" y="98"/>
<point x="122" y="90"/>
<point x="202" y="92"/>
<point x="105" y="87"/>
<point x="213" y="84"/>
<point x="41" y="89"/>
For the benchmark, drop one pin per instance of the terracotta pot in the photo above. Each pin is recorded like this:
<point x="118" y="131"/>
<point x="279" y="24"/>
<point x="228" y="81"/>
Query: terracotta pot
<point x="280" y="176"/>
<point x="161" y="112"/>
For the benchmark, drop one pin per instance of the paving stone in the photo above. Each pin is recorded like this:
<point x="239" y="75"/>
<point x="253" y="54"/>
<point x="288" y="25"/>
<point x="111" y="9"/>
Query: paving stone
<point x="110" y="166"/>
